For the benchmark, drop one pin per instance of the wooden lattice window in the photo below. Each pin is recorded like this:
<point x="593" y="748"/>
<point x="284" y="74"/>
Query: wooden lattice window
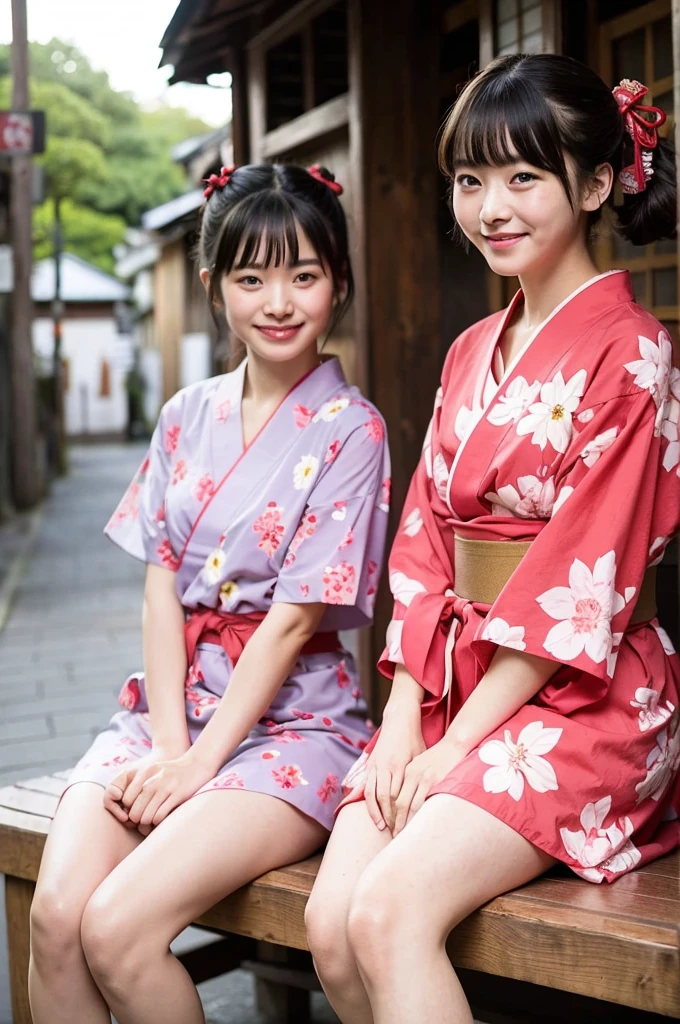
<point x="640" y="45"/>
<point x="518" y="26"/>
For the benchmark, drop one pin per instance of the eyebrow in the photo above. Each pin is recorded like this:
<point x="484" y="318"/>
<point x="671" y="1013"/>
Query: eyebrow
<point x="298" y="263"/>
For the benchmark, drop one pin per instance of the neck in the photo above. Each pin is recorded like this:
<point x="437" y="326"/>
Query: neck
<point x="268" y="382"/>
<point x="544" y="290"/>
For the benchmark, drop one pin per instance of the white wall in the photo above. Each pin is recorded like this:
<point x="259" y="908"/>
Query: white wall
<point x="86" y="343"/>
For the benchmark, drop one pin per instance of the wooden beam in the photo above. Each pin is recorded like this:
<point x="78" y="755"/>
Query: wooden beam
<point x="306" y="128"/>
<point x="487" y="47"/>
<point x="459" y="14"/>
<point x="257" y="101"/>
<point x="552" y="26"/>
<point x="289" y="23"/>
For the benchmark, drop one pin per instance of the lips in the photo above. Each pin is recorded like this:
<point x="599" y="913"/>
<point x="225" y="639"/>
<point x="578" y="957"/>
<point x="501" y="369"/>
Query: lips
<point x="280" y="333"/>
<point x="504" y="241"/>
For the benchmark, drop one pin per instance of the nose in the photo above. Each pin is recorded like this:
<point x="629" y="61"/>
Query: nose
<point x="495" y="208"/>
<point x="278" y="302"/>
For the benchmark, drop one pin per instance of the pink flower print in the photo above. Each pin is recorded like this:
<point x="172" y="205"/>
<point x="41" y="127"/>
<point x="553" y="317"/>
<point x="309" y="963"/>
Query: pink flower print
<point x="270" y="755"/>
<point x="179" y="472"/>
<point x="202" y="703"/>
<point x="327" y="722"/>
<point x="371" y="578"/>
<point x="142" y="471"/>
<point x="129" y="695"/>
<point x="356" y="693"/>
<point x="332" y="453"/>
<point x="343" y="675"/>
<point x="340" y="583"/>
<point x="328" y="788"/>
<point x="340" y="510"/>
<point x="223" y="410"/>
<point x="288" y="776"/>
<point x="288" y="736"/>
<point x="349" y="539"/>
<point x="159" y="516"/>
<point x="129" y="506"/>
<point x="348" y="741"/>
<point x="305" y="530"/>
<point x="385" y="494"/>
<point x="171" y="440"/>
<point x="304" y="715"/>
<point x="168" y="556"/>
<point x="117" y="760"/>
<point x="194" y="675"/>
<point x="230" y="780"/>
<point x="146" y="743"/>
<point x="270" y="526"/>
<point x="304" y="590"/>
<point x="375" y="429"/>
<point x="204" y="488"/>
<point x="302" y="416"/>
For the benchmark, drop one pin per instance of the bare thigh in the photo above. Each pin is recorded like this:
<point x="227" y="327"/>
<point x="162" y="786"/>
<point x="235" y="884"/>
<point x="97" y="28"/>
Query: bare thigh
<point x="84" y="845"/>
<point x="205" y="849"/>
<point x="353" y="844"/>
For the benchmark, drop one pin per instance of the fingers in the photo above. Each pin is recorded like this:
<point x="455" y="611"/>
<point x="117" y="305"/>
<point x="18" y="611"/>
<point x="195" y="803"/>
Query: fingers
<point x="395" y="789"/>
<point x="372" y="805"/>
<point x="112" y="795"/>
<point x="403" y="802"/>
<point x="135" y="784"/>
<point x="383" y="785"/>
<point x="147" y="803"/>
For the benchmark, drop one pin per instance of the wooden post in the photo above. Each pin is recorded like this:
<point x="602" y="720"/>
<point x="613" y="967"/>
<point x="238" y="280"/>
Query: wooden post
<point x="18" y="897"/>
<point x="394" y="117"/>
<point x="26" y="484"/>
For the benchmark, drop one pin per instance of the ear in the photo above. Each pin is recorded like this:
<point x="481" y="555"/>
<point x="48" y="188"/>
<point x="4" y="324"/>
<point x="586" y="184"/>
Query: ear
<point x="343" y="288"/>
<point x="599" y="188"/>
<point x="204" y="275"/>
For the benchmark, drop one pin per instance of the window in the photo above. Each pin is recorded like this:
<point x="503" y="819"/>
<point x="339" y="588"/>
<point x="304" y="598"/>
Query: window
<point x="518" y="26"/>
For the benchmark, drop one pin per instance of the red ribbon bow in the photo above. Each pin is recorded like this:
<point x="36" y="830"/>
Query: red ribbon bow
<point x="643" y="132"/>
<point x="217" y="180"/>
<point x="317" y="172"/>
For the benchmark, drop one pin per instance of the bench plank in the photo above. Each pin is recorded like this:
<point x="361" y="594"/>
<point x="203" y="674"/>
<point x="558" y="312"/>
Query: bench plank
<point x="619" y="943"/>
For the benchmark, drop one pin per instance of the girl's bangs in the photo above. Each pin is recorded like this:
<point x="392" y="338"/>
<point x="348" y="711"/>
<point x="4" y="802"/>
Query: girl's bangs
<point x="500" y="123"/>
<point x="259" y="233"/>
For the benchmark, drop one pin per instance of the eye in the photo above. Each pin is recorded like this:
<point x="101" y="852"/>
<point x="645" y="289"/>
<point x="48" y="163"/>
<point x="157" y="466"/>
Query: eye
<point x="467" y="180"/>
<point x="524" y="177"/>
<point x="249" y="280"/>
<point x="305" y="277"/>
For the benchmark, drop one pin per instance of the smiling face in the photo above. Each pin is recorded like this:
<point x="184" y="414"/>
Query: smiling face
<point x="518" y="216"/>
<point x="279" y="311"/>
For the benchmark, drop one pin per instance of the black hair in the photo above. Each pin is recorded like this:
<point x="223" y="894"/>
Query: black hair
<point x="540" y="107"/>
<point x="268" y="202"/>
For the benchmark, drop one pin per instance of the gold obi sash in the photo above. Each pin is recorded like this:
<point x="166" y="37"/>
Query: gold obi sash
<point x="483" y="567"/>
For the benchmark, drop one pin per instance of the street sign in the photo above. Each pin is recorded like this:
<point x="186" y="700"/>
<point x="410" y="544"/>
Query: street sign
<point x="22" y="132"/>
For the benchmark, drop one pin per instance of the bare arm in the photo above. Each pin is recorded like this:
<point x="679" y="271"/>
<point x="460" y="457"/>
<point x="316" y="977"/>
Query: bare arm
<point x="165" y="661"/>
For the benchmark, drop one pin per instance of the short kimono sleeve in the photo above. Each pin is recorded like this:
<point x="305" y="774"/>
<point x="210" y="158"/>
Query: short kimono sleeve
<point x="617" y="505"/>
<point x="336" y="554"/>
<point x="138" y="524"/>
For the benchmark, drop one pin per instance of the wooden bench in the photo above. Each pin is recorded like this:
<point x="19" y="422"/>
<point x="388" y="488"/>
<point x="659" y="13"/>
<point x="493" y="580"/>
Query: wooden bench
<point x="618" y="943"/>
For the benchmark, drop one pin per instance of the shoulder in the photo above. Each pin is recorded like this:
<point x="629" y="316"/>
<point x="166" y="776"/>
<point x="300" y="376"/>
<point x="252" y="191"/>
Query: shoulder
<point x="190" y="399"/>
<point x="633" y="351"/>
<point x="350" y="413"/>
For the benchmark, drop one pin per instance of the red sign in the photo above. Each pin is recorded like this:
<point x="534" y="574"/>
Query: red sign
<point x="22" y="132"/>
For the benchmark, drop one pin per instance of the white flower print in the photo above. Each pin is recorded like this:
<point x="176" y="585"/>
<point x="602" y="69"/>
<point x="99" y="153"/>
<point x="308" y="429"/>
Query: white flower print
<point x="549" y="421"/>
<point x="586" y="416"/>
<point x="515" y="402"/>
<point x="657" y="549"/>
<point x="404" y="589"/>
<point x="662" y="764"/>
<point x="533" y="498"/>
<point x="652" y="371"/>
<point x="439" y="398"/>
<point x="464" y="418"/>
<point x="441" y="475"/>
<point x="670" y="426"/>
<point x="329" y="410"/>
<point x="498" y="631"/>
<point x="228" y="595"/>
<point x="613" y="655"/>
<point x="599" y="444"/>
<point x="413" y="523"/>
<point x="597" y="849"/>
<point x="584" y="610"/>
<point x="393" y="640"/>
<point x="515" y="762"/>
<point x="304" y="472"/>
<point x="666" y="641"/>
<point x="427" y="449"/>
<point x="651" y="713"/>
<point x="561" y="498"/>
<point x="213" y="565"/>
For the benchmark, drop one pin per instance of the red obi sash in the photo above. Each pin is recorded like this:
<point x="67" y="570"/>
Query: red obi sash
<point x="233" y="631"/>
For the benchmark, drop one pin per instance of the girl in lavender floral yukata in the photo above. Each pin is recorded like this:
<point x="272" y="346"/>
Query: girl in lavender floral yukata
<point x="261" y="511"/>
<point x="534" y="716"/>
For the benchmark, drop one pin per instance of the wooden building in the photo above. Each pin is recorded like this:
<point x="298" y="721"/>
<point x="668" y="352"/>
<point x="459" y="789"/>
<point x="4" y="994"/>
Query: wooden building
<point x="361" y="86"/>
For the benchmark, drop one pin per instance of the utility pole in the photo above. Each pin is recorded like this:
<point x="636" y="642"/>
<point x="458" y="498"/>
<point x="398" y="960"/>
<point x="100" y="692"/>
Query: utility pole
<point x="26" y="484"/>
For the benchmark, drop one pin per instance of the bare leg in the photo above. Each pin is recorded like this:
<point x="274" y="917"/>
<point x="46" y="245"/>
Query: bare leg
<point x="353" y="844"/>
<point x="207" y="848"/>
<point x="450" y="859"/>
<point x="85" y="843"/>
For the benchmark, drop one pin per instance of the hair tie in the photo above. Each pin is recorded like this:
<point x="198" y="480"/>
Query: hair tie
<point x="644" y="133"/>
<point x="323" y="175"/>
<point x="217" y="181"/>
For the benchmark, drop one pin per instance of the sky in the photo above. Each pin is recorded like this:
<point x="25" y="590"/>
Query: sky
<point x="121" y="37"/>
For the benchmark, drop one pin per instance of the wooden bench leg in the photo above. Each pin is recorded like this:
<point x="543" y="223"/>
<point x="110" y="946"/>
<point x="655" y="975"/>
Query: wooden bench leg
<point x="278" y="1000"/>
<point x="18" y="897"/>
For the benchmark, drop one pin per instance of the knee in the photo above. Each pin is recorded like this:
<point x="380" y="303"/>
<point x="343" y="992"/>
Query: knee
<point x="55" y="929"/>
<point x="326" y="924"/>
<point x="382" y="925"/>
<point x="109" y="942"/>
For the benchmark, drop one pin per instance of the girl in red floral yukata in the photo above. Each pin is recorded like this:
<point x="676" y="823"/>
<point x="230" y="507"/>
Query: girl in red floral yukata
<point x="261" y="513"/>
<point x="533" y="716"/>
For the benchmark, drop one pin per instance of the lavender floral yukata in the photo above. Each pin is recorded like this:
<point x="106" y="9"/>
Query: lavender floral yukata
<point x="298" y="515"/>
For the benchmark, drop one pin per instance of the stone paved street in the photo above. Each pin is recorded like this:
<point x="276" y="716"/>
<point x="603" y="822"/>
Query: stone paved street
<point x="71" y="636"/>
